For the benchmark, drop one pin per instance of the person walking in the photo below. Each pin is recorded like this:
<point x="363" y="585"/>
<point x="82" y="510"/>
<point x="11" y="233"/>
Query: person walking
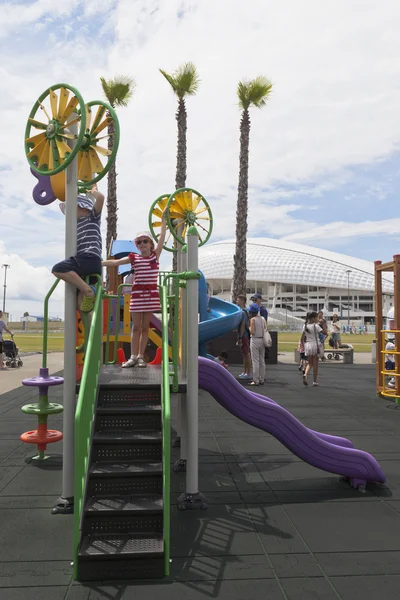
<point x="243" y="340"/>
<point x="3" y="327"/>
<point x="312" y="346"/>
<point x="324" y="333"/>
<point x="258" y="326"/>
<point x="335" y="331"/>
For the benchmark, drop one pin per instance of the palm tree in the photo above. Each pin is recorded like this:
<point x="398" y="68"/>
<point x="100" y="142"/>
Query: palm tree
<point x="184" y="82"/>
<point x="250" y="93"/>
<point x="118" y="92"/>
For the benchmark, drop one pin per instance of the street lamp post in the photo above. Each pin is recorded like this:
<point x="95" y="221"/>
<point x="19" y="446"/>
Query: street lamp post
<point x="348" y="296"/>
<point x="5" y="286"/>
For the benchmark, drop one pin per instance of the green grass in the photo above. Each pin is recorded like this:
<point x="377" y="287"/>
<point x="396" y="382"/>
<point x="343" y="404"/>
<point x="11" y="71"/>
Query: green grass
<point x="33" y="342"/>
<point x="287" y="341"/>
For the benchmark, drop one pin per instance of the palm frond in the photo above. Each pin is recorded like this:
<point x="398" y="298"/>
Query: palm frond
<point x="184" y="81"/>
<point x="119" y="90"/>
<point x="254" y="92"/>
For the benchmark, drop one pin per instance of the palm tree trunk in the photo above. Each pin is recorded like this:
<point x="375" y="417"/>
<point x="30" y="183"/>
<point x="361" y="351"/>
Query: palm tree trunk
<point x="112" y="206"/>
<point x="240" y="259"/>
<point x="180" y="177"/>
<point x="181" y="119"/>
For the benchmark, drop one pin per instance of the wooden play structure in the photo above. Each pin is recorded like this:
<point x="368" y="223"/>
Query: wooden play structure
<point x="381" y="374"/>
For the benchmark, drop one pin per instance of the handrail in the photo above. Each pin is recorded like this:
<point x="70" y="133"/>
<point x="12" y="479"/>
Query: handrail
<point x="84" y="414"/>
<point x="166" y="425"/>
<point x="46" y="322"/>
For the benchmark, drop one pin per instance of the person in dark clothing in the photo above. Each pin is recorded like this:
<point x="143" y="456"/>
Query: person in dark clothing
<point x="257" y="298"/>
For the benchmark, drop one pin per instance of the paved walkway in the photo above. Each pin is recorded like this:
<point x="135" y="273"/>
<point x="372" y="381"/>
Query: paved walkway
<point x="11" y="378"/>
<point x="276" y="528"/>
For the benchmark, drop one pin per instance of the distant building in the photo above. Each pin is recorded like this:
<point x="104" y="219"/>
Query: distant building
<point x="294" y="279"/>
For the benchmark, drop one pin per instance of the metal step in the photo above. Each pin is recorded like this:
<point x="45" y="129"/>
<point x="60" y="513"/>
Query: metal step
<point x="117" y="436"/>
<point x="105" y="522"/>
<point x="124" y="398"/>
<point x="132" y="504"/>
<point x="111" y="450"/>
<point x="116" y="557"/>
<point x="138" y="408"/>
<point x="128" y="422"/>
<point x="122" y="485"/>
<point x="127" y="469"/>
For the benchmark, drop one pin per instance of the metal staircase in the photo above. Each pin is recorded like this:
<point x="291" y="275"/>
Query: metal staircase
<point x="122" y="518"/>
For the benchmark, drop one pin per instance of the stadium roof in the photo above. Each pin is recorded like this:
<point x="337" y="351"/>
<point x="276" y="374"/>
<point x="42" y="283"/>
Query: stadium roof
<point x="280" y="261"/>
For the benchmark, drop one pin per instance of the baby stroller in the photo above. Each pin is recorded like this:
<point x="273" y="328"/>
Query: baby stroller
<point x="10" y="350"/>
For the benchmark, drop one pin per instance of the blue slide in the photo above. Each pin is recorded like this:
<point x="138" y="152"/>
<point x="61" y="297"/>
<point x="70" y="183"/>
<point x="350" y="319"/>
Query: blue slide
<point x="217" y="317"/>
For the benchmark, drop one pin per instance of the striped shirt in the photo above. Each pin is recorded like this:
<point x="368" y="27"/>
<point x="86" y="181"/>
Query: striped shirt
<point x="145" y="296"/>
<point x="88" y="239"/>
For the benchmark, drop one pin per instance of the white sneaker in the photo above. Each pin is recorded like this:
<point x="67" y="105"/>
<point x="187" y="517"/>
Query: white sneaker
<point x="131" y="362"/>
<point x="392" y="383"/>
<point x="140" y="362"/>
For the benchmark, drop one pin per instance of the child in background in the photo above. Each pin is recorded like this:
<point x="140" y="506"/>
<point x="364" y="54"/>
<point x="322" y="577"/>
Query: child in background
<point x="303" y="359"/>
<point x="145" y="299"/>
<point x="223" y="356"/>
<point x="390" y="365"/>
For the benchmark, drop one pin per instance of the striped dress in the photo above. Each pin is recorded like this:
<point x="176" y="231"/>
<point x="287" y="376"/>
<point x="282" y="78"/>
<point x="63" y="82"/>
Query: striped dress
<point x="145" y="296"/>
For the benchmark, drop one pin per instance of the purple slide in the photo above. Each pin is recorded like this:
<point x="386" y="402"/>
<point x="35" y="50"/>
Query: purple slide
<point x="319" y="450"/>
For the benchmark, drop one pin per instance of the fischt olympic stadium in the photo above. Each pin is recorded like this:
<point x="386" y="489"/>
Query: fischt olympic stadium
<point x="294" y="279"/>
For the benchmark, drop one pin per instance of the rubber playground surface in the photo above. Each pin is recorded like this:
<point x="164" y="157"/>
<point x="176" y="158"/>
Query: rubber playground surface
<point x="275" y="529"/>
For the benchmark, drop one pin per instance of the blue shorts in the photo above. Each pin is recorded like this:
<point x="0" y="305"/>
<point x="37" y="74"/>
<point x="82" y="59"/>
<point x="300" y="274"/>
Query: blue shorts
<point x="389" y="365"/>
<point x="82" y="264"/>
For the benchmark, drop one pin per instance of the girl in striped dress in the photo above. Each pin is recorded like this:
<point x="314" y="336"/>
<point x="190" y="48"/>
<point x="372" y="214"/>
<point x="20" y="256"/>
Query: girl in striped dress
<point x="145" y="298"/>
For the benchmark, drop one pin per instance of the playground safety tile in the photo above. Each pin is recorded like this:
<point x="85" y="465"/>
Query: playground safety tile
<point x="346" y="526"/>
<point x="338" y="425"/>
<point x="220" y="497"/>
<point x="34" y="593"/>
<point x="359" y="563"/>
<point x="35" y="533"/>
<point x="212" y="477"/>
<point x="377" y="443"/>
<point x="295" y="565"/>
<point x="200" y="568"/>
<point x="394" y="504"/>
<point x="275" y="530"/>
<point x="31" y="574"/>
<point x="267" y="589"/>
<point x="27" y="502"/>
<point x="12" y="427"/>
<point x="368" y="587"/>
<point x="229" y="427"/>
<point x="8" y="446"/>
<point x="305" y="588"/>
<point x="341" y="493"/>
<point x="247" y="477"/>
<point x="35" y="480"/>
<point x="7" y="474"/>
<point x="258" y="497"/>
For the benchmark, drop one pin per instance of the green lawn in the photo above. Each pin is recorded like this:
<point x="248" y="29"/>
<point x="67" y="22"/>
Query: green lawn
<point x="32" y="342"/>
<point x="287" y="341"/>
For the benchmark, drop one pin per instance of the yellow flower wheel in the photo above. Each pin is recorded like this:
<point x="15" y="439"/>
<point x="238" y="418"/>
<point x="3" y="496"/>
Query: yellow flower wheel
<point x="156" y="211"/>
<point x="187" y="207"/>
<point x="47" y="130"/>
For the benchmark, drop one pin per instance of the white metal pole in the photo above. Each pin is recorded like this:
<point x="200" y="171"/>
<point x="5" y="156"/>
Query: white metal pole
<point x="179" y="407"/>
<point x="66" y="502"/>
<point x="192" y="499"/>
<point x="184" y="425"/>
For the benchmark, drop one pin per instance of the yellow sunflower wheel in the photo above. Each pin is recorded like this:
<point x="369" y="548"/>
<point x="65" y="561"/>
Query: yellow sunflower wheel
<point x="156" y="211"/>
<point x="187" y="207"/>
<point x="100" y="143"/>
<point x="47" y="130"/>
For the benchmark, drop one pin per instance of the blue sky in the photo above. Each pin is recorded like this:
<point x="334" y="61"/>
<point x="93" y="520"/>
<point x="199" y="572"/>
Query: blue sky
<point x="324" y="152"/>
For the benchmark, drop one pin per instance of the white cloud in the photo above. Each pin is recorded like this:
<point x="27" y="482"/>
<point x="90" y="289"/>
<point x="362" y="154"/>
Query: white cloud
<point x="336" y="73"/>
<point x="340" y="230"/>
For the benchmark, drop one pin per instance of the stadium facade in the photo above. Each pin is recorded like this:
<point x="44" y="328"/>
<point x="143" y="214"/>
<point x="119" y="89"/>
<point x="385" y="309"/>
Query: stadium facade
<point x="294" y="279"/>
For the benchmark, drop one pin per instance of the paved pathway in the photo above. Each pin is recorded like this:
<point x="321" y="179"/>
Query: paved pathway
<point x="276" y="528"/>
<point x="11" y="378"/>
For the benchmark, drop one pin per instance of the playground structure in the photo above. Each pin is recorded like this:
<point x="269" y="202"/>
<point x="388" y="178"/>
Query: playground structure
<point x="381" y="372"/>
<point x="116" y="456"/>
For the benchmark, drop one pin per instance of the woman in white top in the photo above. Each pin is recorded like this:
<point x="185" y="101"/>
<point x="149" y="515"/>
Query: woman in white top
<point x="312" y="345"/>
<point x="257" y="344"/>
